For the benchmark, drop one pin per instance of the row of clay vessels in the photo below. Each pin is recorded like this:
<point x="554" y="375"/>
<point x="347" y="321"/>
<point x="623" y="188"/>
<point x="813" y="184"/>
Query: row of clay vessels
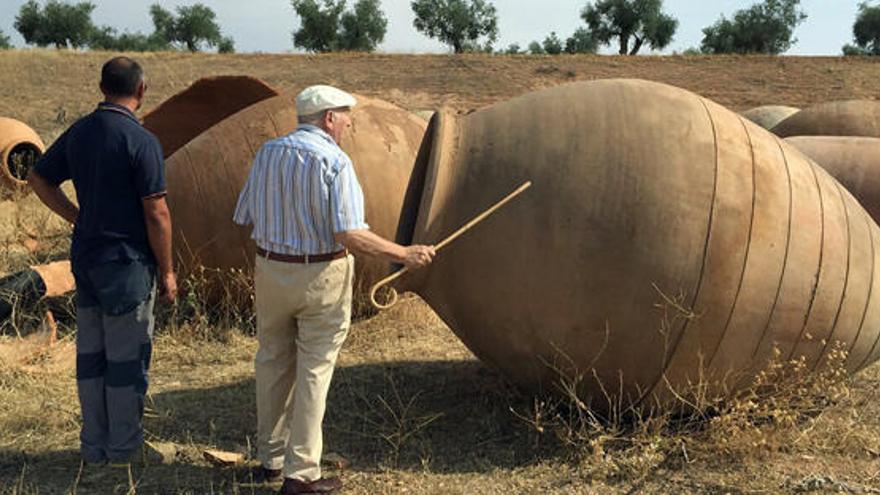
<point x="842" y="136"/>
<point x="668" y="246"/>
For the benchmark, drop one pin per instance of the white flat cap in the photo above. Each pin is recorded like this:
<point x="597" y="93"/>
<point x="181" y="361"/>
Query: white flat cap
<point x="318" y="98"/>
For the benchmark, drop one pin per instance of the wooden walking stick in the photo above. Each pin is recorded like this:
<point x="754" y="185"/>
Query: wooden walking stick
<point x="464" y="228"/>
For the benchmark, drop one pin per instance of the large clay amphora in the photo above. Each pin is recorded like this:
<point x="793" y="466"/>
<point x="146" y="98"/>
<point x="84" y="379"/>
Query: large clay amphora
<point x="666" y="242"/>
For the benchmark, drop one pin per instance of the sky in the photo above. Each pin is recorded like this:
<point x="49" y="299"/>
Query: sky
<point x="266" y="25"/>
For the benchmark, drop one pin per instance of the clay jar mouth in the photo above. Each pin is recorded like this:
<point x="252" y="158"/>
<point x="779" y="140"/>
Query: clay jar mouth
<point x="418" y="192"/>
<point x="428" y="190"/>
<point x="20" y="159"/>
<point x="415" y="188"/>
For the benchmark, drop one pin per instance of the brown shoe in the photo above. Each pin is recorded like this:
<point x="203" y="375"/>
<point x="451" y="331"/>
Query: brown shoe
<point x="294" y="486"/>
<point x="263" y="474"/>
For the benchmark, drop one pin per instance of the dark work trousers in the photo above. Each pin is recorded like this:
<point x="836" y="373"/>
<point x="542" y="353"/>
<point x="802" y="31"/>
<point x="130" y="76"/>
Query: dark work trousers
<point x="114" y="315"/>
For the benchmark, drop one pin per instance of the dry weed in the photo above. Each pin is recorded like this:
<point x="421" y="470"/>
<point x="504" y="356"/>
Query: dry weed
<point x="211" y="304"/>
<point x="788" y="409"/>
<point x="396" y="420"/>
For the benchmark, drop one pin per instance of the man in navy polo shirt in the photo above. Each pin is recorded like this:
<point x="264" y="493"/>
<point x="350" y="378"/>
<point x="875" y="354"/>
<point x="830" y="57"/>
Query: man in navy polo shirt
<point x="121" y="239"/>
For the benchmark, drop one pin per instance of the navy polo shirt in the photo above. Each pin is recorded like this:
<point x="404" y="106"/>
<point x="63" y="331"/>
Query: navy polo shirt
<point x="114" y="163"/>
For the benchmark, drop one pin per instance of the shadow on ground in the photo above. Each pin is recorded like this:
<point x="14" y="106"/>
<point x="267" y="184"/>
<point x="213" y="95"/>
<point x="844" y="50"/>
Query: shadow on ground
<point x="60" y="472"/>
<point x="438" y="416"/>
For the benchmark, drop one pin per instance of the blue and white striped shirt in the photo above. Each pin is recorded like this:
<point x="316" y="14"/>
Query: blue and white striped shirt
<point x="302" y="188"/>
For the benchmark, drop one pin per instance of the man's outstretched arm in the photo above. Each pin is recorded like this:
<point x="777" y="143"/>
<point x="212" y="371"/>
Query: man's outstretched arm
<point x="364" y="241"/>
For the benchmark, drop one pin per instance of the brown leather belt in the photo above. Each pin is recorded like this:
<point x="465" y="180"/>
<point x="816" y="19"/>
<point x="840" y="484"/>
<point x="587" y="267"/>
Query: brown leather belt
<point x="302" y="258"/>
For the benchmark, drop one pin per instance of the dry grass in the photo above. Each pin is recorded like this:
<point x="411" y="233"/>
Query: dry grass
<point x="415" y="413"/>
<point x="788" y="411"/>
<point x="29" y="233"/>
<point x="410" y="407"/>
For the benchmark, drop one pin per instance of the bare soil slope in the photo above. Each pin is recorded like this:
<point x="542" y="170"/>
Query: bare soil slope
<point x="49" y="89"/>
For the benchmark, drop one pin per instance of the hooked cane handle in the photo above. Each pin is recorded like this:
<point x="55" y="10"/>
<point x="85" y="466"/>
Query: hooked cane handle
<point x="393" y="292"/>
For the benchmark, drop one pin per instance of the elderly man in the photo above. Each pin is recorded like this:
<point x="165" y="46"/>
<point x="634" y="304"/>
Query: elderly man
<point x="307" y="210"/>
<point x="121" y="236"/>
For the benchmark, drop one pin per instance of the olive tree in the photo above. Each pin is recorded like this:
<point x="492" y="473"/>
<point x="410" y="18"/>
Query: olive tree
<point x="638" y="22"/>
<point x="582" y="41"/>
<point x="193" y="27"/>
<point x="866" y="31"/>
<point x="765" y="27"/>
<point x="328" y="26"/>
<point x="552" y="44"/>
<point x="59" y="23"/>
<point x="464" y="25"/>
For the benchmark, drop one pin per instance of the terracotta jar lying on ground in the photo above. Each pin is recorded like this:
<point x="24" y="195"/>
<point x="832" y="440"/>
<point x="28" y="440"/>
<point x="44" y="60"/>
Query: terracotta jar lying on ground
<point x="834" y="118"/>
<point x="666" y="241"/>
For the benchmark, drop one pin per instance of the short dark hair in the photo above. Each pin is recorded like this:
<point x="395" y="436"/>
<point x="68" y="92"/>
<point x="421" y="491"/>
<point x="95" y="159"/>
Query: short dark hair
<point x="121" y="76"/>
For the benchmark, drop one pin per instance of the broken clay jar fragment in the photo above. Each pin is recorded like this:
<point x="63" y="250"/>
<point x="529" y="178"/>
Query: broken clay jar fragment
<point x="20" y="146"/>
<point x="22" y="290"/>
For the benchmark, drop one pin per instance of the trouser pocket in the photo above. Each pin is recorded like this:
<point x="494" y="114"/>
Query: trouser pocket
<point x="119" y="287"/>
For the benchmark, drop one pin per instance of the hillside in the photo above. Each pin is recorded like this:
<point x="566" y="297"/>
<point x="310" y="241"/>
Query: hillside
<point x="49" y="89"/>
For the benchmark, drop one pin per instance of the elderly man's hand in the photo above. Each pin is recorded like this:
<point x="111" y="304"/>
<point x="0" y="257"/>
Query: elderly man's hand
<point x="418" y="256"/>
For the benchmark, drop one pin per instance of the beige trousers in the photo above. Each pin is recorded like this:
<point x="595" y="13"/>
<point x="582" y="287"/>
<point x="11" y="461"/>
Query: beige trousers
<point x="303" y="316"/>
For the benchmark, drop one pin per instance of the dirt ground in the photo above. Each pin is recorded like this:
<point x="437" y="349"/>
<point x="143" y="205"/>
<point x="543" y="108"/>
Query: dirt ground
<point x="410" y="408"/>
